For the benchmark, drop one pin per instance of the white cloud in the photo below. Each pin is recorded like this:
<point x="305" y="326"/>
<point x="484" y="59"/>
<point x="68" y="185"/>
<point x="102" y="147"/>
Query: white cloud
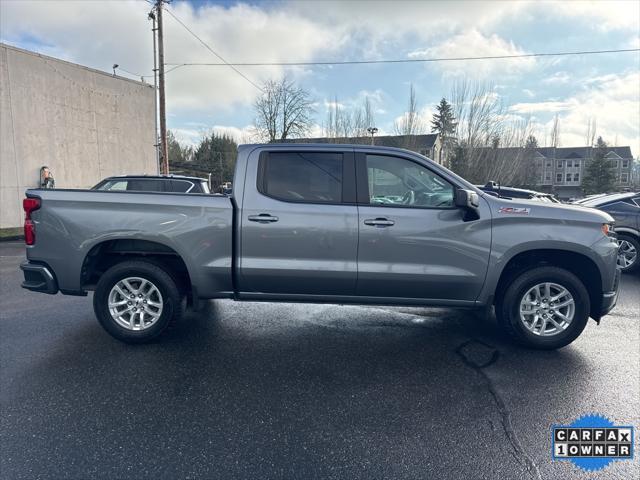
<point x="192" y="137"/>
<point x="99" y="34"/>
<point x="473" y="43"/>
<point x="606" y="15"/>
<point x="558" y="78"/>
<point x="615" y="104"/>
<point x="333" y="104"/>
<point x="551" y="106"/>
<point x="245" y="134"/>
<point x="612" y="100"/>
<point x="187" y="136"/>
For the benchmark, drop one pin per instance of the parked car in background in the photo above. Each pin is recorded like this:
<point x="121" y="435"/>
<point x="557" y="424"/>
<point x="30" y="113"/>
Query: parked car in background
<point x="625" y="209"/>
<point x="326" y="223"/>
<point x="588" y="198"/>
<point x="154" y="183"/>
<point x="497" y="190"/>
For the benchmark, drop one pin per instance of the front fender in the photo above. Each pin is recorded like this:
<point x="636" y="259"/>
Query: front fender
<point x="513" y="236"/>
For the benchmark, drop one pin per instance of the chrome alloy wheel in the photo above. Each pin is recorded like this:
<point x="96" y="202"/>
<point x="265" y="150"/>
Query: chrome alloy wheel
<point x="135" y="303"/>
<point x="547" y="309"/>
<point x="627" y="254"/>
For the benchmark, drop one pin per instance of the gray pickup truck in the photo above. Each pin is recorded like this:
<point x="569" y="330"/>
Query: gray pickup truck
<point x="325" y="224"/>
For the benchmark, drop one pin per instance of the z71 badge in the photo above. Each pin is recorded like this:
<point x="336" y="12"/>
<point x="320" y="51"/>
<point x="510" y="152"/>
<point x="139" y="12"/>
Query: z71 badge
<point x="515" y="210"/>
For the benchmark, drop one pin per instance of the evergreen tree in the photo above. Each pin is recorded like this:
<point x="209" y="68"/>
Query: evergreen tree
<point x="529" y="172"/>
<point x="531" y="143"/>
<point x="177" y="153"/>
<point x="444" y="123"/>
<point x="600" y="175"/>
<point x="459" y="161"/>
<point x="217" y="153"/>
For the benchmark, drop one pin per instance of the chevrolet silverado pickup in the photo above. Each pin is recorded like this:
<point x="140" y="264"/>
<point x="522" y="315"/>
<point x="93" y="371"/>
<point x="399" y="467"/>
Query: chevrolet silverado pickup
<point x="325" y="224"/>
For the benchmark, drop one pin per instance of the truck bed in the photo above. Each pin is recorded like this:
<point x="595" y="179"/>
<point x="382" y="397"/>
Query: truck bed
<point x="72" y="223"/>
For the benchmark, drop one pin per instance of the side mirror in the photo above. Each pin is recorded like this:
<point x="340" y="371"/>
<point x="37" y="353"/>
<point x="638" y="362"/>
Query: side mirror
<point x="467" y="199"/>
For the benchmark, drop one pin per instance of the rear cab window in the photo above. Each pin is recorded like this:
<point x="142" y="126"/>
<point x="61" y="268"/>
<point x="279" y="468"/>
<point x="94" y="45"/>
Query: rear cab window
<point x="308" y="177"/>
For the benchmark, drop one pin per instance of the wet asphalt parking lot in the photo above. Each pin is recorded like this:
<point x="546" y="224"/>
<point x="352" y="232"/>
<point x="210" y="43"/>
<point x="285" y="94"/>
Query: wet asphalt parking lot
<point x="249" y="390"/>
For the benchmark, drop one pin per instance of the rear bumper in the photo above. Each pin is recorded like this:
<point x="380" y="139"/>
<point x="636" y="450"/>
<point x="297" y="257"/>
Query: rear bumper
<point x="609" y="299"/>
<point x="38" y="278"/>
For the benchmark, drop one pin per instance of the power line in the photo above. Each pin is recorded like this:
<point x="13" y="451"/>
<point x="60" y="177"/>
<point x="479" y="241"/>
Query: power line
<point x="404" y="60"/>
<point x="212" y="51"/>
<point x="133" y="73"/>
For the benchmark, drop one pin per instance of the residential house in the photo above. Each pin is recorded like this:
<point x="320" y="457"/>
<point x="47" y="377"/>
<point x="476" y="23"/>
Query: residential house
<point x="561" y="170"/>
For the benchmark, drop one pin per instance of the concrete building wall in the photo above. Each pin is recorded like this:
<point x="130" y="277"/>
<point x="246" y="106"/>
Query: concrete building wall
<point x="82" y="123"/>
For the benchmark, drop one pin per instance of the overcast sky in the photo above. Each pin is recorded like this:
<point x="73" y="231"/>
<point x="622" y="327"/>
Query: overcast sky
<point x="200" y="98"/>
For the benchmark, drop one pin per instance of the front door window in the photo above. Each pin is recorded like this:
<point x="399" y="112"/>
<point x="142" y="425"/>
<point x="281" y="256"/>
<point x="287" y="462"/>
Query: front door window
<point x="399" y="182"/>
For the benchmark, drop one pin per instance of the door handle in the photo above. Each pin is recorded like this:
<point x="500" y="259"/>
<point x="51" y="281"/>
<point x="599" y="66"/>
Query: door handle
<point x="379" y="222"/>
<point x="263" y="218"/>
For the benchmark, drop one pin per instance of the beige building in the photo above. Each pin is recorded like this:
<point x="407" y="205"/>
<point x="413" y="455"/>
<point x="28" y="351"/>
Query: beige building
<point x="82" y="123"/>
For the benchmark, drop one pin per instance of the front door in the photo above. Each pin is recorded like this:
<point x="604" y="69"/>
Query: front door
<point x="299" y="224"/>
<point x="414" y="243"/>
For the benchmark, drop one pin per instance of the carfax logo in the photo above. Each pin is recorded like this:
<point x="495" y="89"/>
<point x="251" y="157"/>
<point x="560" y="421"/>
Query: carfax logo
<point x="592" y="442"/>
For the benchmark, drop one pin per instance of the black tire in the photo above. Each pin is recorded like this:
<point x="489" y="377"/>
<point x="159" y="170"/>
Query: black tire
<point x="172" y="308"/>
<point x="636" y="244"/>
<point x="508" y="307"/>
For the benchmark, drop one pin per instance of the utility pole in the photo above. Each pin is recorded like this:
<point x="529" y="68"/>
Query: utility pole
<point x="156" y="144"/>
<point x="163" y="111"/>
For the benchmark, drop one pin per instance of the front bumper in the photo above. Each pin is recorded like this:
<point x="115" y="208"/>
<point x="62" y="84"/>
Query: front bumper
<point x="609" y="299"/>
<point x="38" y="278"/>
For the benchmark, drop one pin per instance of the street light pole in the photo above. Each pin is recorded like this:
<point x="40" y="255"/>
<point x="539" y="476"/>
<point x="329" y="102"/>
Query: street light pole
<point x="372" y="131"/>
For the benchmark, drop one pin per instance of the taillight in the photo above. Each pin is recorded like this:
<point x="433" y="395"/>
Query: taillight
<point x="30" y="205"/>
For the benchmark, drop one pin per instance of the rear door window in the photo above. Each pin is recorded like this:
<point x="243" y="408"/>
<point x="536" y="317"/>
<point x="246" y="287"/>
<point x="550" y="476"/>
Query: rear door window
<point x="145" y="185"/>
<point x="302" y="176"/>
<point x="179" y="186"/>
<point x="114" y="185"/>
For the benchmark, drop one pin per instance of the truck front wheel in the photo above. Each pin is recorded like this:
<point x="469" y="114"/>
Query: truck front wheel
<point x="544" y="308"/>
<point x="136" y="301"/>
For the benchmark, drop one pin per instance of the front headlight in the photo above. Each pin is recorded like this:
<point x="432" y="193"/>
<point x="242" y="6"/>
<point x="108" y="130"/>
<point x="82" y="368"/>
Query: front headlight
<point x="608" y="230"/>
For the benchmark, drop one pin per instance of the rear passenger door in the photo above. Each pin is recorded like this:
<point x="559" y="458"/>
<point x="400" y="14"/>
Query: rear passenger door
<point x="299" y="223"/>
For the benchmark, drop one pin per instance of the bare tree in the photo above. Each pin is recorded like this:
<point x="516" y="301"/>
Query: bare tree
<point x="590" y="136"/>
<point x="345" y="125"/>
<point x="489" y="143"/>
<point x="409" y="123"/>
<point x="283" y="111"/>
<point x="555" y="132"/>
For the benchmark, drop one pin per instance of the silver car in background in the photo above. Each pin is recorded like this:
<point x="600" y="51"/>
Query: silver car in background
<point x="625" y="209"/>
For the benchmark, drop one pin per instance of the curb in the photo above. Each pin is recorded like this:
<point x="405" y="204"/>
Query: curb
<point x="12" y="238"/>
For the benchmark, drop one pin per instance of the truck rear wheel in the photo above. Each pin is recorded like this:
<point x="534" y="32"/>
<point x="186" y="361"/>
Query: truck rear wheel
<point x="136" y="301"/>
<point x="544" y="308"/>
